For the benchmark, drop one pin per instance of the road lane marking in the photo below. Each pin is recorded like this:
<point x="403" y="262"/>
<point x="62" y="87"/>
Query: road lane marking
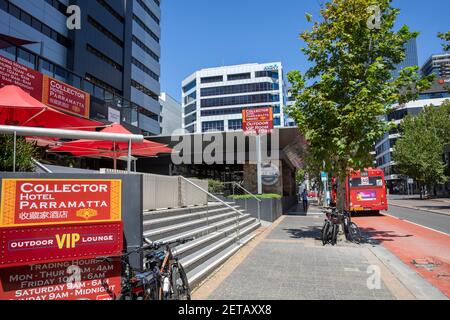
<point x="402" y="219"/>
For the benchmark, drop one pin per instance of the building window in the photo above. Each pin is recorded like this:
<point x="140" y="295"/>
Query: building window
<point x="190" y="129"/>
<point x="62" y="8"/>
<point x="103" y="84"/>
<point x="190" y="119"/>
<point x="212" y="126"/>
<point x="250" y="99"/>
<point x="190" y="108"/>
<point x="110" y="9"/>
<point x="105" y="31"/>
<point x="239" y="76"/>
<point x="235" y="124"/>
<point x="211" y="79"/>
<point x="141" y="45"/>
<point x="104" y="57"/>
<point x="190" y="98"/>
<point x="148" y="10"/>
<point x="270" y="74"/>
<point x="26" y="18"/>
<point x="144" y="89"/>
<point x="146" y="29"/>
<point x="144" y="68"/>
<point x="240" y="88"/>
<point x="190" y="86"/>
<point x="276" y="121"/>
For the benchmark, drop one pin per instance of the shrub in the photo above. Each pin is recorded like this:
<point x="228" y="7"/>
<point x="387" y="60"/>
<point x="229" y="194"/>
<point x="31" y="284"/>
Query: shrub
<point x="260" y="196"/>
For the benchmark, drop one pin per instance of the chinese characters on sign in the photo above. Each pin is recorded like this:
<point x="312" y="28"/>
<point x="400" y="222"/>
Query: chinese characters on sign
<point x="257" y="121"/>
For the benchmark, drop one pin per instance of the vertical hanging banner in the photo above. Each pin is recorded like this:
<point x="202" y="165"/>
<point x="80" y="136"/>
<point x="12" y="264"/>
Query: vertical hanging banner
<point x="64" y="97"/>
<point x="257" y="121"/>
<point x="38" y="202"/>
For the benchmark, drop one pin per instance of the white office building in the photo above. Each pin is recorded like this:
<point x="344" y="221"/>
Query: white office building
<point x="170" y="114"/>
<point x="213" y="98"/>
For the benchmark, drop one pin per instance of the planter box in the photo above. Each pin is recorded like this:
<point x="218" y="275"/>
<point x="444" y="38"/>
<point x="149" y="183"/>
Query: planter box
<point x="271" y="209"/>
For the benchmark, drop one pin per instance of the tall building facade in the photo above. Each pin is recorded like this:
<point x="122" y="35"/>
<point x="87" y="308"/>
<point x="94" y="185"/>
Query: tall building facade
<point x="170" y="114"/>
<point x="213" y="98"/>
<point x="438" y="64"/>
<point x="384" y="148"/>
<point x="411" y="58"/>
<point x="114" y="56"/>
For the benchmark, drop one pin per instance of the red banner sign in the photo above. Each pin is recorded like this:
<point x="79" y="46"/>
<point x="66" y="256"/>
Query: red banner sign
<point x="14" y="73"/>
<point x="67" y="98"/>
<point x="30" y="245"/>
<point x="257" y="121"/>
<point x="49" y="91"/>
<point x="68" y="280"/>
<point x="27" y="202"/>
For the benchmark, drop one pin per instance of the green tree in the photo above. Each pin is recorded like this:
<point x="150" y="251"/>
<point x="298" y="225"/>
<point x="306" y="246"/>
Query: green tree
<point x="446" y="37"/>
<point x="24" y="153"/>
<point x="341" y="98"/>
<point x="418" y="153"/>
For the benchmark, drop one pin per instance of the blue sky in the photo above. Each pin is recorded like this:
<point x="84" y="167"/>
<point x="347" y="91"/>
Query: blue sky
<point x="208" y="33"/>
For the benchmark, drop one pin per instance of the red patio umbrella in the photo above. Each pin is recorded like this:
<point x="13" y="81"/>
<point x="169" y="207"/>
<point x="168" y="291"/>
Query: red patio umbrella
<point x="18" y="108"/>
<point x="111" y="149"/>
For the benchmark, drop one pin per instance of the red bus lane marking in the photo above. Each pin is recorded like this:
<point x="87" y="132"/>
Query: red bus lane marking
<point x="424" y="250"/>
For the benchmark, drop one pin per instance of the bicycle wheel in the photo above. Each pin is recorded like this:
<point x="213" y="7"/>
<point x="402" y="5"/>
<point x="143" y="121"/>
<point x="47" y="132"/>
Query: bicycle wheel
<point x="355" y="233"/>
<point x="326" y="232"/>
<point x="334" y="233"/>
<point x="180" y="284"/>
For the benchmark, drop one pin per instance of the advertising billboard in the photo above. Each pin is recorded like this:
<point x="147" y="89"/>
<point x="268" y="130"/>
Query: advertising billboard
<point x="257" y="121"/>
<point x="31" y="202"/>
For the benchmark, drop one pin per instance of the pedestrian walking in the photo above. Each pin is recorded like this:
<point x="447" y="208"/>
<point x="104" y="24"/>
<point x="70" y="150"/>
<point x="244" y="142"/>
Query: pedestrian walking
<point x="305" y="200"/>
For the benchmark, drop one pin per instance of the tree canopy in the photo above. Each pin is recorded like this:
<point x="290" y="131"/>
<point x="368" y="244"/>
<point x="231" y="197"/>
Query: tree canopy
<point x="418" y="153"/>
<point x="342" y="98"/>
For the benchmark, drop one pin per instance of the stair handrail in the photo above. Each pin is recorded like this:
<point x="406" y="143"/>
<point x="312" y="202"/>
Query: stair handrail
<point x="238" y="237"/>
<point x="234" y="183"/>
<point x="211" y="195"/>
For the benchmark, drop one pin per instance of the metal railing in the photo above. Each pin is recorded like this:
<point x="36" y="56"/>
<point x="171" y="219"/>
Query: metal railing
<point x="209" y="194"/>
<point x="235" y="186"/>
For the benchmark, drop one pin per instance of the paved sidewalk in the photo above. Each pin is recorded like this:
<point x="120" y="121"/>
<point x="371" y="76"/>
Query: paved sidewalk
<point x="289" y="262"/>
<point x="439" y="206"/>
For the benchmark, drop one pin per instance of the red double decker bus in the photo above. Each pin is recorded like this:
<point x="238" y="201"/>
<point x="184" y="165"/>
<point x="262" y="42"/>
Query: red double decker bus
<point x="365" y="191"/>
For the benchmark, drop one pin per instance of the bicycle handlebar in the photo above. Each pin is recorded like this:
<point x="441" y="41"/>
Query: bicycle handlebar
<point x="151" y="245"/>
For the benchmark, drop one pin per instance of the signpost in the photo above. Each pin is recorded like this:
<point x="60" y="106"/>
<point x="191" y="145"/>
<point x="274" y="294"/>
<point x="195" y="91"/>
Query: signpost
<point x="256" y="122"/>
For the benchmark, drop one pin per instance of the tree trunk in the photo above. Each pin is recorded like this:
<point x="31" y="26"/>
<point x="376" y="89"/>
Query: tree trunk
<point x="341" y="197"/>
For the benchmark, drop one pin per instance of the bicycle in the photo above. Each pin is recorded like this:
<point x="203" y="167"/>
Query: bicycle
<point x="351" y="230"/>
<point x="173" y="283"/>
<point x="163" y="276"/>
<point x="330" y="227"/>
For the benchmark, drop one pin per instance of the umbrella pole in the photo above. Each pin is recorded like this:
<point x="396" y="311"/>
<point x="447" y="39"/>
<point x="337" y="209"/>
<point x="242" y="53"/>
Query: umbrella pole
<point x="129" y="157"/>
<point x="14" y="152"/>
<point x="114" y="155"/>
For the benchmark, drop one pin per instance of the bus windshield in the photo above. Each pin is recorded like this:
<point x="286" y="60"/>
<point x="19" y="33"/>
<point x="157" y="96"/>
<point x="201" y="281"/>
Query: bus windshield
<point x="376" y="181"/>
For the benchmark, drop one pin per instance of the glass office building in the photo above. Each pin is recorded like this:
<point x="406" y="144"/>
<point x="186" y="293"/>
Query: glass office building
<point x="114" y="56"/>
<point x="213" y="98"/>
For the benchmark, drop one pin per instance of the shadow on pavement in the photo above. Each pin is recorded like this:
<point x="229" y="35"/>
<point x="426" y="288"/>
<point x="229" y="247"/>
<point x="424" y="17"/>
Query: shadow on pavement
<point x="306" y="232"/>
<point x="380" y="236"/>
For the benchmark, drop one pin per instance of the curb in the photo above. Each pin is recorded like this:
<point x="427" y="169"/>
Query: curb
<point x="420" y="209"/>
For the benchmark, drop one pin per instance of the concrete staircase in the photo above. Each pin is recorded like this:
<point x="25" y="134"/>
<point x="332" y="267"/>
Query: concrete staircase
<point x="214" y="228"/>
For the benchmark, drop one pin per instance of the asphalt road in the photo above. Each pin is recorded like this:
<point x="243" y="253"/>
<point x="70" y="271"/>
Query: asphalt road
<point x="424" y="218"/>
